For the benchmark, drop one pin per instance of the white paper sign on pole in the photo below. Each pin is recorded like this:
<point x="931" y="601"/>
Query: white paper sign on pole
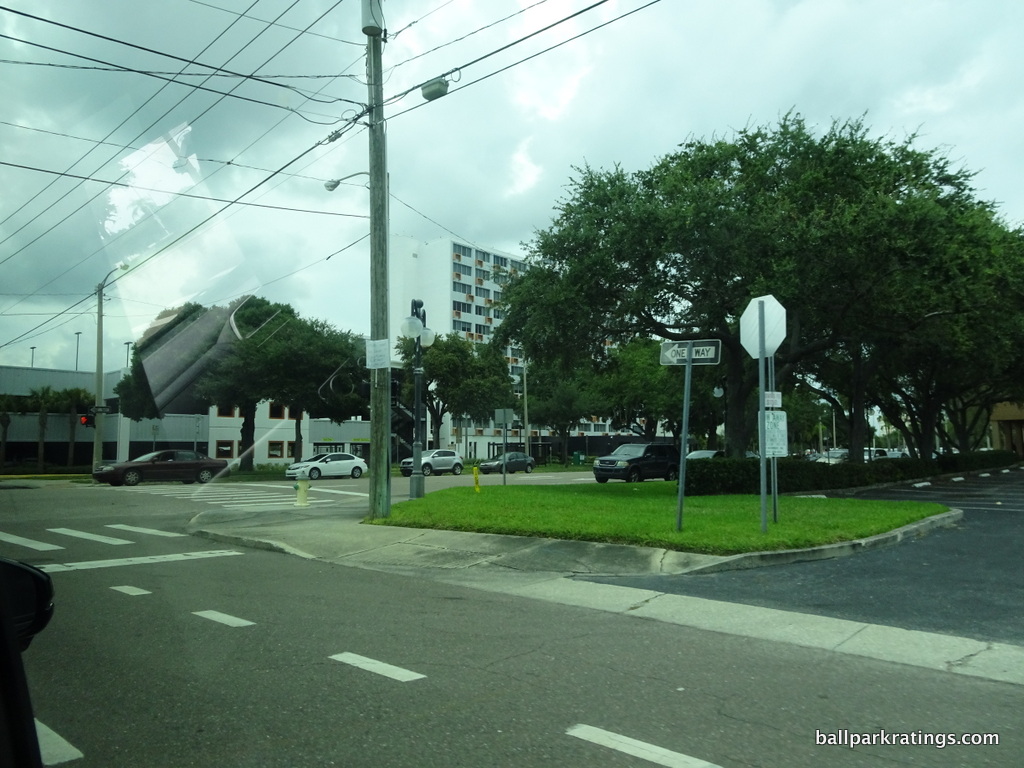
<point x="378" y="353"/>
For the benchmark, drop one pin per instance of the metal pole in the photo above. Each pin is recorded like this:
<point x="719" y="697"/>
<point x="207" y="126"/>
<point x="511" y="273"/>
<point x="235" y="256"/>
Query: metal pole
<point x="761" y="444"/>
<point x="684" y="444"/>
<point x="78" y="343"/>
<point x="416" y="488"/>
<point x="775" y="461"/>
<point x="526" y="411"/>
<point x="380" y="380"/>
<point x="97" y="439"/>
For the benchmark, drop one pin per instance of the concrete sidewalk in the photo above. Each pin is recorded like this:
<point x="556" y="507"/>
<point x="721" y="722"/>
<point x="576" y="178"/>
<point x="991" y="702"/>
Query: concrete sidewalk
<point x="544" y="569"/>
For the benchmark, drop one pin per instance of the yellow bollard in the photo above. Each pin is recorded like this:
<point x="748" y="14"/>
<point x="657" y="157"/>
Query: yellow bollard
<point x="476" y="479"/>
<point x="302" y="490"/>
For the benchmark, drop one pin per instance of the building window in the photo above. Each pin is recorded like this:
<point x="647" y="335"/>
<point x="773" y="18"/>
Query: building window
<point x="461" y="306"/>
<point x="483" y="274"/>
<point x="482" y="311"/>
<point x="518" y="265"/>
<point x="226" y="413"/>
<point x="461" y="325"/>
<point x="225" y="449"/>
<point x="483" y="330"/>
<point x="500" y="261"/>
<point x="497" y="314"/>
<point x="459" y="287"/>
<point x="291" y="449"/>
<point x="497" y="295"/>
<point x="483" y="293"/>
<point x="277" y="411"/>
<point x="463" y="269"/>
<point x="275" y="449"/>
<point x="484" y="256"/>
<point x="463" y="250"/>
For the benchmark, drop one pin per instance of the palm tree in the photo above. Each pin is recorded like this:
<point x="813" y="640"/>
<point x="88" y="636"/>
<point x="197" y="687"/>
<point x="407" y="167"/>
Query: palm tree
<point x="72" y="400"/>
<point x="42" y="398"/>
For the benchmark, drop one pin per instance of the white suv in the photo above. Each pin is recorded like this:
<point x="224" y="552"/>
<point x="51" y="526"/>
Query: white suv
<point x="435" y="462"/>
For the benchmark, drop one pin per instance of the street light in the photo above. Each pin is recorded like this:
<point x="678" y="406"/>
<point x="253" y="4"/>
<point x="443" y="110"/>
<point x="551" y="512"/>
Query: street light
<point x="78" y="342"/>
<point x="127" y="353"/>
<point x="415" y="327"/>
<point x="32" y="364"/>
<point x="99" y="405"/>
<point x="332" y="184"/>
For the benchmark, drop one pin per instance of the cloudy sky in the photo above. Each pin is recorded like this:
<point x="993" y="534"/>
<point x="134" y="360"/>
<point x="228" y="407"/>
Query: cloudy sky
<point x="129" y="127"/>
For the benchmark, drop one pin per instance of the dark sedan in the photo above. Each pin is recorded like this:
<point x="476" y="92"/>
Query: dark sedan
<point x="187" y="466"/>
<point x="514" y="461"/>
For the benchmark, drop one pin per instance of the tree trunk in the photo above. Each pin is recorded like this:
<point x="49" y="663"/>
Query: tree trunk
<point x="297" y="414"/>
<point x="247" y="437"/>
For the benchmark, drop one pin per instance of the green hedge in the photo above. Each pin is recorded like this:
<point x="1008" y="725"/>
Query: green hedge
<point x="708" y="477"/>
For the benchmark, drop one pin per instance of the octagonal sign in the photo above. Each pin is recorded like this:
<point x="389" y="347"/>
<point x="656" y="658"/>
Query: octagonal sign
<point x="774" y="326"/>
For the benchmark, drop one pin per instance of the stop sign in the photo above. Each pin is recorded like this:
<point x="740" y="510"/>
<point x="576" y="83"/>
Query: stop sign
<point x="774" y="326"/>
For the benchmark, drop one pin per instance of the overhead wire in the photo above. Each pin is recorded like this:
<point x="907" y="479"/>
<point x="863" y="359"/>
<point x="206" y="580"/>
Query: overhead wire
<point x="150" y="126"/>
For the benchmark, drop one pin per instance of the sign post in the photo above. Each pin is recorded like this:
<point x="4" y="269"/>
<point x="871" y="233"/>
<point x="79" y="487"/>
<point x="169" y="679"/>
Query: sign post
<point x="762" y="330"/>
<point x="688" y="353"/>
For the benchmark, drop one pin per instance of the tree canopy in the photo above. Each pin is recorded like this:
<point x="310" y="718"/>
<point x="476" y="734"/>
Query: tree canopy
<point x="881" y="252"/>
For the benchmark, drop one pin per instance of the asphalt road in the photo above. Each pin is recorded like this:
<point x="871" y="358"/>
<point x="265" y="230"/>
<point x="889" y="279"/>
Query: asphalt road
<point x="166" y="658"/>
<point x="966" y="581"/>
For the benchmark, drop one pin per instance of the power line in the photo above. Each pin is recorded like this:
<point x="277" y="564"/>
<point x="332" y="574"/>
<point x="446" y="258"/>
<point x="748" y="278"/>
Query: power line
<point x="163" y="54"/>
<point x="516" y="63"/>
<point x="175" y="194"/>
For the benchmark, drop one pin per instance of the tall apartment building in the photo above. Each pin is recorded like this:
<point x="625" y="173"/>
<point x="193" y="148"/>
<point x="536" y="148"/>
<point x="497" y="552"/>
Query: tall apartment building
<point x="461" y="286"/>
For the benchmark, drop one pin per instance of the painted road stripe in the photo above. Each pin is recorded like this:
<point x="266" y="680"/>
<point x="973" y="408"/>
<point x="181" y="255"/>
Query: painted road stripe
<point x="626" y="745"/>
<point x="223" y="618"/>
<point x="132" y="590"/>
<point x="91" y="564"/>
<point x="53" y="748"/>
<point x="379" y="667"/>
<point x="89" y="536"/>
<point x="149" y="531"/>
<point x="38" y="546"/>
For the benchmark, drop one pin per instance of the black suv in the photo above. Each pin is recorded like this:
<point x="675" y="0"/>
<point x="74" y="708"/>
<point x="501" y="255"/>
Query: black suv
<point x="634" y="462"/>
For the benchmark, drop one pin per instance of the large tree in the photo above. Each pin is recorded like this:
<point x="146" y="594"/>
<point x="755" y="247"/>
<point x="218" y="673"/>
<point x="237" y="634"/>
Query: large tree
<point x="860" y="239"/>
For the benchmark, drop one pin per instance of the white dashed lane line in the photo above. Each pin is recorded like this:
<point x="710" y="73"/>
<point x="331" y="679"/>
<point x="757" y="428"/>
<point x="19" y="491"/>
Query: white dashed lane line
<point x="641" y="749"/>
<point x="223" y="618"/>
<point x="147" y="531"/>
<point x="378" y="667"/>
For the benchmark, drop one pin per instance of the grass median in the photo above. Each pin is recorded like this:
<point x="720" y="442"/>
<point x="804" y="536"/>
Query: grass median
<point x="645" y="514"/>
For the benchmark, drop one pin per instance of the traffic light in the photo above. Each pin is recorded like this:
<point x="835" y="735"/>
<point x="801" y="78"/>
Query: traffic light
<point x="87" y="421"/>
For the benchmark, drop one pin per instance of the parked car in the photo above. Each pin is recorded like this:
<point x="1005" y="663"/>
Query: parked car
<point x="834" y="456"/>
<point x="187" y="466"/>
<point x="634" y="462"/>
<point x="435" y="462"/>
<point x="336" y="464"/>
<point x="511" y="462"/>
<point x="706" y="455"/>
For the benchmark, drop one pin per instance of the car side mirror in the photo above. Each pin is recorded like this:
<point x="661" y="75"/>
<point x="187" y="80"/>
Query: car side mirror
<point x="28" y="593"/>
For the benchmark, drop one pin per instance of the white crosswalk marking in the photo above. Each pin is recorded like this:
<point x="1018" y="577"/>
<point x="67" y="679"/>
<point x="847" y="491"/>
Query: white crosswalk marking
<point x="145" y="560"/>
<point x="649" y="752"/>
<point x="89" y="536"/>
<point x="38" y="546"/>
<point x="149" y="531"/>
<point x="243" y="495"/>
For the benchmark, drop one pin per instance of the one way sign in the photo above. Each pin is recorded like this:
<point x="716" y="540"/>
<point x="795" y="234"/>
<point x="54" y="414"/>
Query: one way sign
<point x="703" y="352"/>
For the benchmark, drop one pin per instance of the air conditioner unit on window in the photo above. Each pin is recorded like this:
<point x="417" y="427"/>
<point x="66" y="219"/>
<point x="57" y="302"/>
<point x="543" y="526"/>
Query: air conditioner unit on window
<point x="469" y="297"/>
<point x="458" y="313"/>
<point x="457" y="256"/>
<point x="457" y="275"/>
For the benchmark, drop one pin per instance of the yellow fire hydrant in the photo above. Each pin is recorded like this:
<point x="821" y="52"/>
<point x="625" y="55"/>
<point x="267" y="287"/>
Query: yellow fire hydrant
<point x="302" y="489"/>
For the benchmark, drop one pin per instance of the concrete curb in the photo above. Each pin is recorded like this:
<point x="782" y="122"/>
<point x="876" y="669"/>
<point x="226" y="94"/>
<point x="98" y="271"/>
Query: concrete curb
<point x="829" y="551"/>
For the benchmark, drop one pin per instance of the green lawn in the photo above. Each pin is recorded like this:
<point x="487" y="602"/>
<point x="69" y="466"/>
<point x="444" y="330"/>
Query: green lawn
<point x="645" y="514"/>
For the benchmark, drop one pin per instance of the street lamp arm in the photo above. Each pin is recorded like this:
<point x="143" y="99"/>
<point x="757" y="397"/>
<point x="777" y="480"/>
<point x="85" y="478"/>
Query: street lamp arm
<point x="332" y="184"/>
